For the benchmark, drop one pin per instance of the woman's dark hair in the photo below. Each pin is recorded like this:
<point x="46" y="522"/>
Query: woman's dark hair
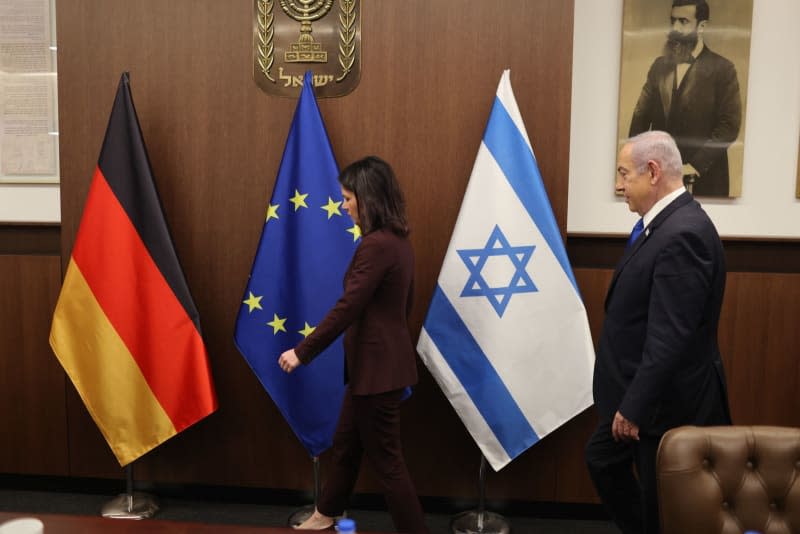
<point x="380" y="201"/>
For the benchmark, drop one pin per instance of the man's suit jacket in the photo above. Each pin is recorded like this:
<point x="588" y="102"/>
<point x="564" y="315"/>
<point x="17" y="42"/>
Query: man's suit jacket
<point x="703" y="114"/>
<point x="658" y="361"/>
<point x="374" y="311"/>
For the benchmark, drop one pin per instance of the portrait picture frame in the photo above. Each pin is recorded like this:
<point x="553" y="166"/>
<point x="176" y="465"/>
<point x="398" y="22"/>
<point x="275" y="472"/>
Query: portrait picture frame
<point x="767" y="208"/>
<point x="703" y="102"/>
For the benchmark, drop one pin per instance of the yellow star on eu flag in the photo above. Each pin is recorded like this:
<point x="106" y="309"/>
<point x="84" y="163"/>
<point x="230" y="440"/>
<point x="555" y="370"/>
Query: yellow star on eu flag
<point x="253" y="302"/>
<point x="277" y="324"/>
<point x="356" y="231"/>
<point x="306" y="331"/>
<point x="332" y="207"/>
<point x="272" y="211"/>
<point x="298" y="200"/>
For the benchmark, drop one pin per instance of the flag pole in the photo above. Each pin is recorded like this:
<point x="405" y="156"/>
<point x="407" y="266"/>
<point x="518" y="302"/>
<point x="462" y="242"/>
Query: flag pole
<point x="304" y="512"/>
<point x="480" y="521"/>
<point x="130" y="505"/>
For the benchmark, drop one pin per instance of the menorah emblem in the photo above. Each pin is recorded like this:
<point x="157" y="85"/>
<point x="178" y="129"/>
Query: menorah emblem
<point x="306" y="50"/>
<point x="280" y="58"/>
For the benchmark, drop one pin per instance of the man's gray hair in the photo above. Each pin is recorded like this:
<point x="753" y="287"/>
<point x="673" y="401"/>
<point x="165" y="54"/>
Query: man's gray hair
<point x="659" y="147"/>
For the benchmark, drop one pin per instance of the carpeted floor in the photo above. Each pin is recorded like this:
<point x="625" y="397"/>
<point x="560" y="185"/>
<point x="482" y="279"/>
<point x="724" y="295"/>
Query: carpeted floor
<point x="209" y="511"/>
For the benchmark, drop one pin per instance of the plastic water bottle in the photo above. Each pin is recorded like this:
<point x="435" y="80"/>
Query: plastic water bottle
<point x="346" y="526"/>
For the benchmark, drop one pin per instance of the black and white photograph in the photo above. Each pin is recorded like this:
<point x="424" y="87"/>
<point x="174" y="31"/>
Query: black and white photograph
<point x="684" y="70"/>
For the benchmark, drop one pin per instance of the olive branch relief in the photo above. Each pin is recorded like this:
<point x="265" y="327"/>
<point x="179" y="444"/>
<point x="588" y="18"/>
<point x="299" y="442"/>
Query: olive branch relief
<point x="347" y="34"/>
<point x="266" y="33"/>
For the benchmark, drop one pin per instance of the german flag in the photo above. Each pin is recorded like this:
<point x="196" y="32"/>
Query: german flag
<point x="125" y="327"/>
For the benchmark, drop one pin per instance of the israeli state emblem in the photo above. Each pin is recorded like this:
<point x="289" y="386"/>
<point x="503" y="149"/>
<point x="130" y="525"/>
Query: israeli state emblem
<point x="323" y="36"/>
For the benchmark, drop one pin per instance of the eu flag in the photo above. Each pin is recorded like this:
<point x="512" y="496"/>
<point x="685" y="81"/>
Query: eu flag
<point x="305" y="247"/>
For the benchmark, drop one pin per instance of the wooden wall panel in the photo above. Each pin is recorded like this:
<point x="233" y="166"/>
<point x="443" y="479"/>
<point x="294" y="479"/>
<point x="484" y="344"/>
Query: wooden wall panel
<point x="760" y="343"/>
<point x="215" y="140"/>
<point x="33" y="421"/>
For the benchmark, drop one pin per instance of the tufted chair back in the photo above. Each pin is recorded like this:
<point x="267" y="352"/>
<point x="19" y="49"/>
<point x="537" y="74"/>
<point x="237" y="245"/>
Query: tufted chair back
<point x="729" y="479"/>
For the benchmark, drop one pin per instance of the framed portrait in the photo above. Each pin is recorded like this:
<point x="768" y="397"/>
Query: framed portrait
<point x="767" y="207"/>
<point x="684" y="69"/>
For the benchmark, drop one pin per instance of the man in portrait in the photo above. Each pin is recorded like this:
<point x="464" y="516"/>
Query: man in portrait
<point x="693" y="93"/>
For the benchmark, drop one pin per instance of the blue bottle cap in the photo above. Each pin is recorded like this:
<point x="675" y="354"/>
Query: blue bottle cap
<point x="346" y="525"/>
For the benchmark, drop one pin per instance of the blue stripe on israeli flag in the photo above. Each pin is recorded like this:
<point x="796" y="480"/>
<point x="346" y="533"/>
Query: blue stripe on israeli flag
<point x="478" y="377"/>
<point x="514" y="155"/>
<point x="506" y="336"/>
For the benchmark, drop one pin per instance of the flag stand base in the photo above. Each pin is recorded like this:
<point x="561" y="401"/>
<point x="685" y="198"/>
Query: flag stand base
<point x="131" y="506"/>
<point x="300" y="515"/>
<point x="480" y="521"/>
<point x="472" y="523"/>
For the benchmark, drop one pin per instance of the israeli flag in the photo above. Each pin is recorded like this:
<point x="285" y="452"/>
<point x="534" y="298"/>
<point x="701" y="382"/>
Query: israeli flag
<point x="506" y="335"/>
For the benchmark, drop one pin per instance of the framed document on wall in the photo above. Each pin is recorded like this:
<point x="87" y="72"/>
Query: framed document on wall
<point x="28" y="92"/>
<point x="684" y="69"/>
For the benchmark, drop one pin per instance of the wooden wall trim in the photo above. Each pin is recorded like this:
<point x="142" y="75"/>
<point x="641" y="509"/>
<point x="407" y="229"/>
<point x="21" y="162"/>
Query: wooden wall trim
<point x="745" y="256"/>
<point x="31" y="239"/>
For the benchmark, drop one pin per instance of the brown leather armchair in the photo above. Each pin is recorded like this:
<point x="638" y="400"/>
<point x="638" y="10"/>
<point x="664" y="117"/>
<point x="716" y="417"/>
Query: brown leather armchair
<point x="729" y="479"/>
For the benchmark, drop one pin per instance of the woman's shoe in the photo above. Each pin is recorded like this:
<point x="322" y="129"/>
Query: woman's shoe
<point x="317" y="521"/>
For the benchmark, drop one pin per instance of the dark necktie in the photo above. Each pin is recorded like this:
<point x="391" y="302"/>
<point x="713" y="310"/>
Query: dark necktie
<point x="638" y="228"/>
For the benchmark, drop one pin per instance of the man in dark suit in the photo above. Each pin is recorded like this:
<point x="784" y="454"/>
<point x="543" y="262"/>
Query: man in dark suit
<point x="693" y="93"/>
<point x="658" y="364"/>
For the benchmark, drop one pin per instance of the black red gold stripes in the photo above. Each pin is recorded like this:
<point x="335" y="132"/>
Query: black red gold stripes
<point x="125" y="328"/>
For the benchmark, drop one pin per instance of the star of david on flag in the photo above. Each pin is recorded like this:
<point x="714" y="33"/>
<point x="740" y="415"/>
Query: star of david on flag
<point x="476" y="260"/>
<point x="506" y="335"/>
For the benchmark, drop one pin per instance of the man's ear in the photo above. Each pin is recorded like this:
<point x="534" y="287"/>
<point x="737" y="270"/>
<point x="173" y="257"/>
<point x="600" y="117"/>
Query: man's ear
<point x="655" y="171"/>
<point x="701" y="27"/>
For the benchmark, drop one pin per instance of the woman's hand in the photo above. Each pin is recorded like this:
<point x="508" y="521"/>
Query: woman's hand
<point x="289" y="361"/>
